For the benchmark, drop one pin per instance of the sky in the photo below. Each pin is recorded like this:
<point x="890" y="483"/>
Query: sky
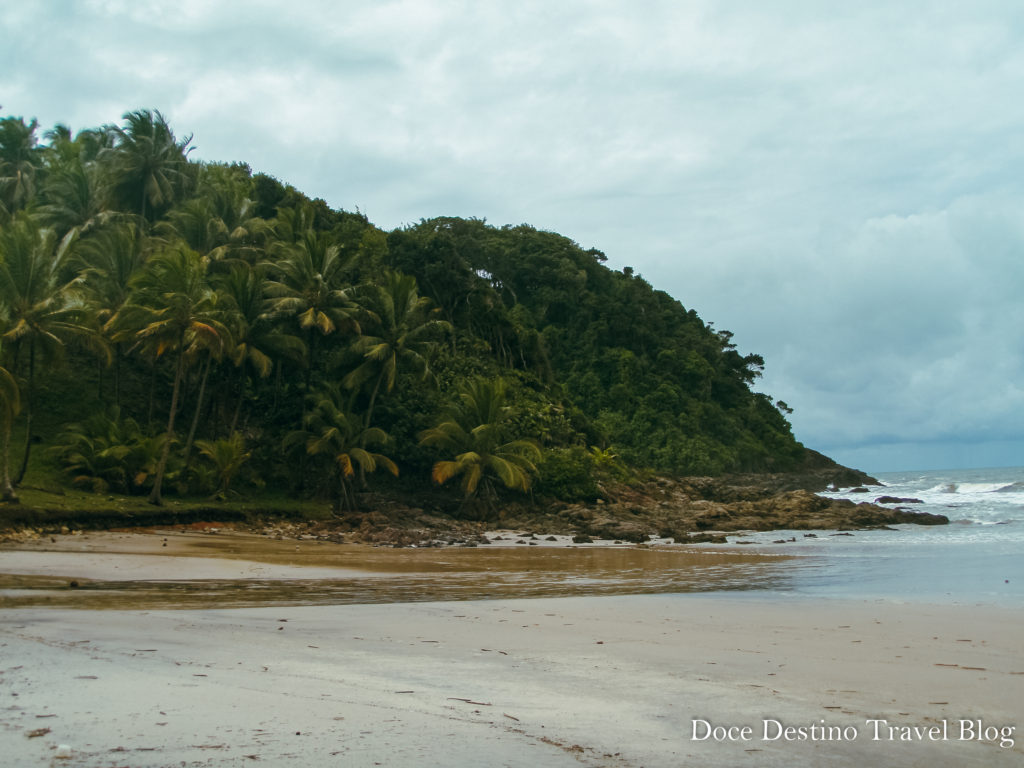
<point x="841" y="185"/>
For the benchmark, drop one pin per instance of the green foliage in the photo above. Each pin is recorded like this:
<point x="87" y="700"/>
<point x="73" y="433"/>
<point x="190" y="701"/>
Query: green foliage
<point x="226" y="458"/>
<point x="332" y="432"/>
<point x="568" y="473"/>
<point x="475" y="431"/>
<point x="269" y="318"/>
<point x="108" y="452"/>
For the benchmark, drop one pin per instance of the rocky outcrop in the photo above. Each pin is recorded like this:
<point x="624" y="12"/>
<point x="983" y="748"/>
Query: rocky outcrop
<point x="681" y="509"/>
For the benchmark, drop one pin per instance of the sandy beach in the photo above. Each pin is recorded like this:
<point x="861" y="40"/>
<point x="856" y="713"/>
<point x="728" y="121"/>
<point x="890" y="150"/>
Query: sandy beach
<point x="619" y="680"/>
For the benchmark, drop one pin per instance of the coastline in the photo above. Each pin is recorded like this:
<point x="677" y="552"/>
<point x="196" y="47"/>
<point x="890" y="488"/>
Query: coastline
<point x="615" y="680"/>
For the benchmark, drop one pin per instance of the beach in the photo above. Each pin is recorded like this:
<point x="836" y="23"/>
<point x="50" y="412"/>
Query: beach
<point x="717" y="679"/>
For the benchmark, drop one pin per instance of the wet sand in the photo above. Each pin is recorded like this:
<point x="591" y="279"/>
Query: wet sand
<point x="588" y="680"/>
<point x="231" y="569"/>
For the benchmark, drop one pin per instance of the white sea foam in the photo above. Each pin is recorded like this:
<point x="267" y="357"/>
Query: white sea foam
<point x="984" y="497"/>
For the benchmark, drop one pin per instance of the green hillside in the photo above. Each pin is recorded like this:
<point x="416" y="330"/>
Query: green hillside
<point x="172" y="327"/>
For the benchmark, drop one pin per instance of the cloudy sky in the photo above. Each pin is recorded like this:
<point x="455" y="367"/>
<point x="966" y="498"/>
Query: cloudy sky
<point x="839" y="184"/>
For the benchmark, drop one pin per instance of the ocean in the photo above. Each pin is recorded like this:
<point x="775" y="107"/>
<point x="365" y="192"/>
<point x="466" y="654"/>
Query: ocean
<point x="977" y="558"/>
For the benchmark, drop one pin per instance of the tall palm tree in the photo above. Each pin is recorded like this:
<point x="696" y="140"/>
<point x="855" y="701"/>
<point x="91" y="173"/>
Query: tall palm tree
<point x="74" y="198"/>
<point x="257" y="341"/>
<point x="105" y="264"/>
<point x="149" y="167"/>
<point x="476" y="430"/>
<point x="10" y="404"/>
<point x="171" y="307"/>
<point x="309" y="284"/>
<point x="20" y="161"/>
<point x="221" y="222"/>
<point x="332" y="431"/>
<point x="209" y="349"/>
<point x="40" y="312"/>
<point x="401" y="331"/>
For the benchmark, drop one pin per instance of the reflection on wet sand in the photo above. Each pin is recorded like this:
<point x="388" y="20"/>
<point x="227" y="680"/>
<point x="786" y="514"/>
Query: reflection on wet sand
<point x="397" y="575"/>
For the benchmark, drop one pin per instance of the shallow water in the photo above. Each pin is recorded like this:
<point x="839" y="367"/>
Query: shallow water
<point x="978" y="557"/>
<point x="410" y="575"/>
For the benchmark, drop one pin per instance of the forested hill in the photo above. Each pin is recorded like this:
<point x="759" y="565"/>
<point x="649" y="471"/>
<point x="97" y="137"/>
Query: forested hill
<point x="638" y="371"/>
<point x="219" y="329"/>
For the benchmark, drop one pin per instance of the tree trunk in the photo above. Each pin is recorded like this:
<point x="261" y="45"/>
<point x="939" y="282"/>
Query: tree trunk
<point x="152" y="391"/>
<point x="312" y="357"/>
<point x="5" y="460"/>
<point x="241" y="397"/>
<point x="117" y="374"/>
<point x="373" y="397"/>
<point x="199" y="407"/>
<point x="161" y="467"/>
<point x="28" y="411"/>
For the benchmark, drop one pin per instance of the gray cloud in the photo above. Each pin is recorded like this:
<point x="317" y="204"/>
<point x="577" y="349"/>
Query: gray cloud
<point x="838" y="185"/>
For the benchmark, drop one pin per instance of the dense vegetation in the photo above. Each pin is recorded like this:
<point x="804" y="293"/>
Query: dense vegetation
<point x="170" y="326"/>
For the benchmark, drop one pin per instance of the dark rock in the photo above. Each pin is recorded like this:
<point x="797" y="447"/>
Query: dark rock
<point x="896" y="500"/>
<point x="582" y="539"/>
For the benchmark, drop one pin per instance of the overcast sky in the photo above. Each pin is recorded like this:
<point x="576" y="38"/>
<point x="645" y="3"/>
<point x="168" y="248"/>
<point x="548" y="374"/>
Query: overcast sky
<point x="839" y="184"/>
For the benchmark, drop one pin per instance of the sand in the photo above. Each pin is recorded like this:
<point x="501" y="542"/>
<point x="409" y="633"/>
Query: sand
<point x="595" y="681"/>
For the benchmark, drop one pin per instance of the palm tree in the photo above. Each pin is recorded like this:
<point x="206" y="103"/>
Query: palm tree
<point x="75" y="199"/>
<point x="332" y="431"/>
<point x="209" y="348"/>
<point x="228" y="456"/>
<point x="20" y="162"/>
<point x="401" y="332"/>
<point x="105" y="264"/>
<point x="257" y="342"/>
<point x="37" y="306"/>
<point x="171" y="307"/>
<point x="309" y="284"/>
<point x="149" y="167"/>
<point x="10" y="404"/>
<point x="476" y="432"/>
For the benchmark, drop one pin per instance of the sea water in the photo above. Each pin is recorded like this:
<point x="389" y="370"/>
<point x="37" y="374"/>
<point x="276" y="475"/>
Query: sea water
<point x="978" y="557"/>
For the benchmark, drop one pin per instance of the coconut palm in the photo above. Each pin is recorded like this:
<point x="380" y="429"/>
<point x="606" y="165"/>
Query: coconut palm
<point x="10" y="405"/>
<point x="172" y="307"/>
<point x="308" y="283"/>
<point x="257" y="342"/>
<point x="105" y="264"/>
<point x="227" y="456"/>
<point x="476" y="432"/>
<point x="332" y="431"/>
<point x="74" y="199"/>
<point x="401" y="331"/>
<point x="208" y="349"/>
<point x="20" y="161"/>
<point x="148" y="166"/>
<point x="40" y="310"/>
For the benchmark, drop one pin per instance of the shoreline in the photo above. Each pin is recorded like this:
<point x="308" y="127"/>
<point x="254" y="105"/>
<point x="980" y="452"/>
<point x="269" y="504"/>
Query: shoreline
<point x="227" y="568"/>
<point x="168" y="569"/>
<point x="616" y="680"/>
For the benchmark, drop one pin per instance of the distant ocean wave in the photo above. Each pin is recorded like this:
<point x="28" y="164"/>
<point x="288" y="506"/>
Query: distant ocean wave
<point x="985" y="497"/>
<point x="978" y="557"/>
<point x="976" y="488"/>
